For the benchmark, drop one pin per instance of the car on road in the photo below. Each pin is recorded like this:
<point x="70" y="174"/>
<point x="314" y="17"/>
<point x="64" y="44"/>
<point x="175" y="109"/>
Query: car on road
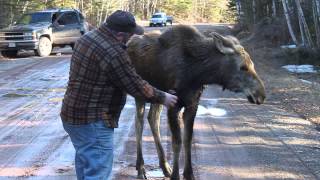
<point x="169" y="19"/>
<point x="41" y="31"/>
<point x="158" y="19"/>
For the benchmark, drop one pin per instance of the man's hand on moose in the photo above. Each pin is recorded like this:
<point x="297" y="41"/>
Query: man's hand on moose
<point x="170" y="100"/>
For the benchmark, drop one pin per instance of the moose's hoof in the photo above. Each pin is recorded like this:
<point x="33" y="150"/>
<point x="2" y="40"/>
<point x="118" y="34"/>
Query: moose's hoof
<point x="175" y="176"/>
<point x="188" y="177"/>
<point x="142" y="174"/>
<point x="166" y="169"/>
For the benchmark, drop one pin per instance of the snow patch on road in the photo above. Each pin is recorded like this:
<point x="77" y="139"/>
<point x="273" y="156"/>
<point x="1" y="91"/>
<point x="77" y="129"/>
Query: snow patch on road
<point x="156" y="173"/>
<point x="300" y="68"/>
<point x="305" y="81"/>
<point x="211" y="111"/>
<point x="209" y="108"/>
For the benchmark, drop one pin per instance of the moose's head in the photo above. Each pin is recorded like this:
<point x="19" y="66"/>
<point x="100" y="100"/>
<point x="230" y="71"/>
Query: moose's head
<point x="226" y="62"/>
<point x="240" y="75"/>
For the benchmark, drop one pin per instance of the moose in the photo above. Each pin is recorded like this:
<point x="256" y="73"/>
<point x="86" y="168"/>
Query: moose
<point x="183" y="60"/>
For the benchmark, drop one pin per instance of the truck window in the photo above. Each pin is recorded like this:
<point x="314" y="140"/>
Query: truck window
<point x="156" y="16"/>
<point x="35" y="18"/>
<point x="68" y="18"/>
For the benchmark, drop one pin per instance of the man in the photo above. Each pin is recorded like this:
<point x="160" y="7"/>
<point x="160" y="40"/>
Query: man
<point x="100" y="76"/>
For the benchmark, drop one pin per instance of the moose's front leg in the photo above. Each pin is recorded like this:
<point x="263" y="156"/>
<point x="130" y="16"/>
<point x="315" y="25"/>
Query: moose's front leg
<point x="191" y="100"/>
<point x="140" y="108"/>
<point x="188" y="118"/>
<point x="173" y="119"/>
<point x="154" y="121"/>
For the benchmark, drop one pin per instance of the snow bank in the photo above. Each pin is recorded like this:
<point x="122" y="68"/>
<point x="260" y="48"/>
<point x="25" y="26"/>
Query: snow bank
<point x="300" y="68"/>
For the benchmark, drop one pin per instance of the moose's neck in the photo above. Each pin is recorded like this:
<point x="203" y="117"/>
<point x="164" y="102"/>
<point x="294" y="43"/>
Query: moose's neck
<point x="207" y="72"/>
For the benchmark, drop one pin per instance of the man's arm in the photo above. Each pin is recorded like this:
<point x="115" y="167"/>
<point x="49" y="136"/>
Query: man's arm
<point x="124" y="76"/>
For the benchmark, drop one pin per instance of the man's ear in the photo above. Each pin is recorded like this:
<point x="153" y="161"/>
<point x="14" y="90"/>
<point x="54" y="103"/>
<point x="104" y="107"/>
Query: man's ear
<point x="119" y="36"/>
<point x="124" y="35"/>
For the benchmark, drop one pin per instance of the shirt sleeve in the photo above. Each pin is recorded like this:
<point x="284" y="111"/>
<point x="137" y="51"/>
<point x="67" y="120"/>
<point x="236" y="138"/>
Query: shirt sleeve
<point x="123" y="75"/>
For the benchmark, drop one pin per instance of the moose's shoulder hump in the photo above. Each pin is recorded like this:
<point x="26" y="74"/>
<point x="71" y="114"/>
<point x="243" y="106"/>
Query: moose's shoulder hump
<point x="179" y="34"/>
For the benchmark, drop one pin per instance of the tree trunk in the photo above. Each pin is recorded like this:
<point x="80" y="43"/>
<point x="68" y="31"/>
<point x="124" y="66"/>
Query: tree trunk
<point x="286" y="13"/>
<point x="13" y="11"/>
<point x="46" y="3"/>
<point x="305" y="29"/>
<point x="254" y="11"/>
<point x="148" y="8"/>
<point x="274" y="9"/>
<point x="239" y="11"/>
<point x="3" y="14"/>
<point x="316" y="22"/>
<point x="107" y="10"/>
<point x="317" y="2"/>
<point x="81" y="6"/>
<point x="101" y="12"/>
<point x="144" y="11"/>
<point x="303" y="38"/>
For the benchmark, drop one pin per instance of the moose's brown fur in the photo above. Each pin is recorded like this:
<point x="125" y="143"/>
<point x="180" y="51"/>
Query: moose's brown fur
<point x="183" y="60"/>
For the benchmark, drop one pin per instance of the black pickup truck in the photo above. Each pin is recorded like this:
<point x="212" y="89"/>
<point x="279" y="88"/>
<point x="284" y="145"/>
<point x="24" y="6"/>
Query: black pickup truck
<point x="41" y="31"/>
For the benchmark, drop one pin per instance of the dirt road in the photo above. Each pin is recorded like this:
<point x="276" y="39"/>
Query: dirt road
<point x="233" y="139"/>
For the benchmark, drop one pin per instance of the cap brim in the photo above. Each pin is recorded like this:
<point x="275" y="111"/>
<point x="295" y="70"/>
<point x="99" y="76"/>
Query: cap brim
<point x="138" y="30"/>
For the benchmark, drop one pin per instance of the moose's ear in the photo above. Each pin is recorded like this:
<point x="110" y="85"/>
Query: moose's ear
<point x="224" y="45"/>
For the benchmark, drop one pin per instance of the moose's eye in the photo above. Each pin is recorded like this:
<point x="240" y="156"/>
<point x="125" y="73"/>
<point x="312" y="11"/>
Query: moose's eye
<point x="244" y="68"/>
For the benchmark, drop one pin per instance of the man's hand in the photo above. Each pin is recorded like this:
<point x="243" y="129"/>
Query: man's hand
<point x="170" y="100"/>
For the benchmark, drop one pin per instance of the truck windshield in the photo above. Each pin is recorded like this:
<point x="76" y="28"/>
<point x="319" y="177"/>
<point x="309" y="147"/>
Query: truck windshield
<point x="35" y="18"/>
<point x="156" y="16"/>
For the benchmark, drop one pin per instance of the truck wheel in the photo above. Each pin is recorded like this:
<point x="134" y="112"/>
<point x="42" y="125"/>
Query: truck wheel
<point x="9" y="53"/>
<point x="45" y="47"/>
<point x="165" y="24"/>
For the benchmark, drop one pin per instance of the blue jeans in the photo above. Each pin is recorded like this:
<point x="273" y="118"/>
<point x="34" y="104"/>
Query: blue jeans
<point x="94" y="150"/>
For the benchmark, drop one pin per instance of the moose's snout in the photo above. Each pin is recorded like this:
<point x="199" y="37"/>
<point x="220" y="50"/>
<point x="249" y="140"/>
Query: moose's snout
<point x="260" y="99"/>
<point x="256" y="98"/>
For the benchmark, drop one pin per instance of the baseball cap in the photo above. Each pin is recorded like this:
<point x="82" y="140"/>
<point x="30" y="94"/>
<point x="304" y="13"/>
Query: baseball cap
<point x="123" y="21"/>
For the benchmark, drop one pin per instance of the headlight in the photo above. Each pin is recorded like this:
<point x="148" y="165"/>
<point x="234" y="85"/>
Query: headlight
<point x="29" y="35"/>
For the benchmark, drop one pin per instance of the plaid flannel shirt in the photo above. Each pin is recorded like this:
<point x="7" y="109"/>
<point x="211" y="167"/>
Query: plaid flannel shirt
<point x="101" y="73"/>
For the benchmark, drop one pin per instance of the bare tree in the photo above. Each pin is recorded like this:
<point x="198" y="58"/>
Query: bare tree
<point x="274" y="9"/>
<point x="286" y="13"/>
<point x="239" y="10"/>
<point x="254" y="11"/>
<point x="305" y="33"/>
<point x="316" y="22"/>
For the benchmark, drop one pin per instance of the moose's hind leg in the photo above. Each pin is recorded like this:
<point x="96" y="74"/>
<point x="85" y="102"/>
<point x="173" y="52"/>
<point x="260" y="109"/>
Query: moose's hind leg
<point x="139" y="123"/>
<point x="154" y="121"/>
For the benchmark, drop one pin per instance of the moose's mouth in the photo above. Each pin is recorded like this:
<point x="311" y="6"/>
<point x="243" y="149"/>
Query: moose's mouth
<point x="255" y="99"/>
